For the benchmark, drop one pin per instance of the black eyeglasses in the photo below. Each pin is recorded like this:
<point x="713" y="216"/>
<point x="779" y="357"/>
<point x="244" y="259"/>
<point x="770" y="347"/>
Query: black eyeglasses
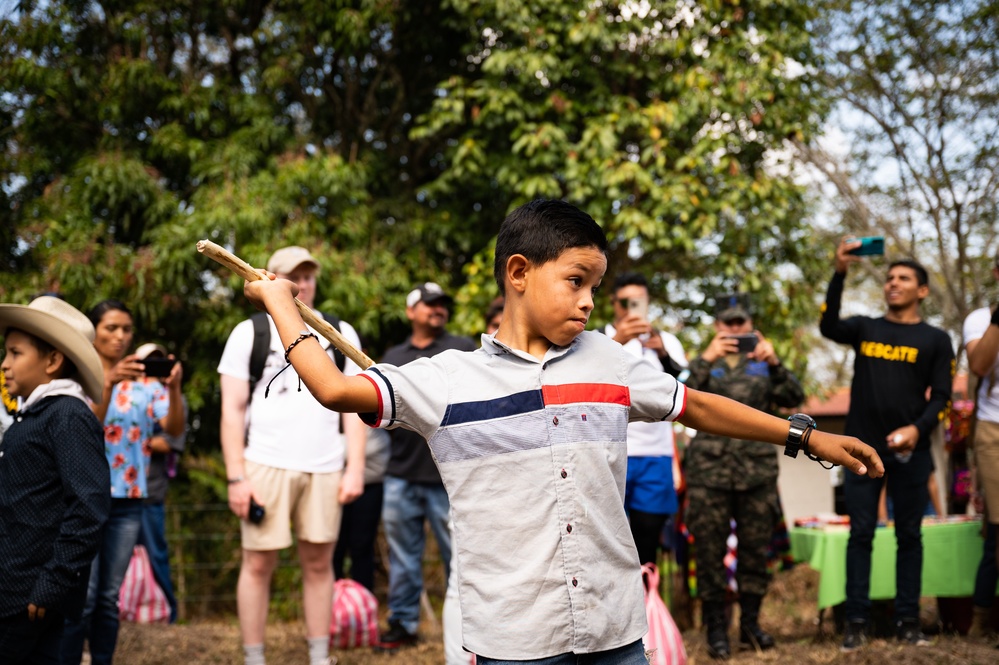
<point x="623" y="302"/>
<point x="735" y="322"/>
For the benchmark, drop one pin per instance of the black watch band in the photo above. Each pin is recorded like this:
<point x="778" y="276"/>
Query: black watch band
<point x="797" y="435"/>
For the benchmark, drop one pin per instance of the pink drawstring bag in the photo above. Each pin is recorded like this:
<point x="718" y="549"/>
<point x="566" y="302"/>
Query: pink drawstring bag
<point x="355" y="616"/>
<point x="140" y="599"/>
<point x="663" y="639"/>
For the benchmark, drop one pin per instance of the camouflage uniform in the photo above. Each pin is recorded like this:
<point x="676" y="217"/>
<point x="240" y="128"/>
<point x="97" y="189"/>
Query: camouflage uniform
<point x="734" y="479"/>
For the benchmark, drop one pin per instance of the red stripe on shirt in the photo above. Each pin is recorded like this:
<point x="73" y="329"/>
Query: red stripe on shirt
<point x="378" y="392"/>
<point x="683" y="407"/>
<point x="574" y="393"/>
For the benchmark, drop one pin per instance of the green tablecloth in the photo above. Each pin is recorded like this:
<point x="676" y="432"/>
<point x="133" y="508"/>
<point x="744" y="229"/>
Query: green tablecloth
<point x="951" y="552"/>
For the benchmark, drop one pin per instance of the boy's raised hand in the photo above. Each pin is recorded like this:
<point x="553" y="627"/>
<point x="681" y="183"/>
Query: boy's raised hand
<point x="257" y="291"/>
<point x="848" y="451"/>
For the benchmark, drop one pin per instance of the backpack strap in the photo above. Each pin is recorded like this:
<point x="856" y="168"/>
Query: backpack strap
<point x="261" y="347"/>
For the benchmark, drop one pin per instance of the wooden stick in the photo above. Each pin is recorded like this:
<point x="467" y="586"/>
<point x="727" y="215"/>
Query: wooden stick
<point x="247" y="272"/>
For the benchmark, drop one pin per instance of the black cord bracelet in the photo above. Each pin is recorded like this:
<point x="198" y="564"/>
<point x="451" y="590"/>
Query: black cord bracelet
<point x="301" y="338"/>
<point x="808" y="453"/>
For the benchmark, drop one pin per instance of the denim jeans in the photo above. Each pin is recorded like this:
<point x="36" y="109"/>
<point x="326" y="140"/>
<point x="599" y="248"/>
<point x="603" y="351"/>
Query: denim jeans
<point x="407" y="506"/>
<point x="152" y="536"/>
<point x="631" y="654"/>
<point x="99" y="622"/>
<point x="988" y="572"/>
<point x="908" y="491"/>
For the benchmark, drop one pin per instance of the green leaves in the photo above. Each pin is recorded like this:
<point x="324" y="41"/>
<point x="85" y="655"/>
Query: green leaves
<point x="392" y="139"/>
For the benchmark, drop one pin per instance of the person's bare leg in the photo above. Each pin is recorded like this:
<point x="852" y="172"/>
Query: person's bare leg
<point x="317" y="586"/>
<point x="253" y="593"/>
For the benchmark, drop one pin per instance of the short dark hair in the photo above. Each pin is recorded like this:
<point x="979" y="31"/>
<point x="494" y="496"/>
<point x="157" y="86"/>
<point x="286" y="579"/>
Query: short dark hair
<point x="98" y="311"/>
<point x="44" y="348"/>
<point x="542" y="231"/>
<point x="629" y="279"/>
<point x="922" y="277"/>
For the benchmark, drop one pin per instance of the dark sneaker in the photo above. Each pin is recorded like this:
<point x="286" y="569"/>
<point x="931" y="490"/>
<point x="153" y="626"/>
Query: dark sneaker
<point x="396" y="637"/>
<point x="910" y="633"/>
<point x="854" y="636"/>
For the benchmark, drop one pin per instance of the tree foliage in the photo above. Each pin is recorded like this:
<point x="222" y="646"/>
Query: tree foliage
<point x="918" y="91"/>
<point x="391" y="139"/>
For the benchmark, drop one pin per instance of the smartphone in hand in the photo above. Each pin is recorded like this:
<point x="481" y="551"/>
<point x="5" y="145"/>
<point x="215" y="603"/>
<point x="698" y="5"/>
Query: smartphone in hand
<point x="158" y="367"/>
<point x="257" y="512"/>
<point x="869" y="246"/>
<point x="639" y="307"/>
<point x="746" y="342"/>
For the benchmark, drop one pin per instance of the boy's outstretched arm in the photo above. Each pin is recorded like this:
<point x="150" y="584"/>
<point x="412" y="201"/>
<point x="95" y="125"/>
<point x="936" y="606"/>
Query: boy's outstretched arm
<point x="316" y="368"/>
<point x="726" y="417"/>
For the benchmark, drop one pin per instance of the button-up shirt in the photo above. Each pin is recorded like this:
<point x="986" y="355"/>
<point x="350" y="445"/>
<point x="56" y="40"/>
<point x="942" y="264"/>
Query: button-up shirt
<point x="533" y="454"/>
<point x="409" y="458"/>
<point x="54" y="500"/>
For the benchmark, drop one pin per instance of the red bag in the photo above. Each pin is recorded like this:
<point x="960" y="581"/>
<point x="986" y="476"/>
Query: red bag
<point x="663" y="639"/>
<point x="140" y="599"/>
<point x="355" y="616"/>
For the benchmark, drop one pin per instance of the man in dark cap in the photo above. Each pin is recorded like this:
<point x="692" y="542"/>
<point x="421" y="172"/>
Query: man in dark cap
<point x="414" y="492"/>
<point x="730" y="479"/>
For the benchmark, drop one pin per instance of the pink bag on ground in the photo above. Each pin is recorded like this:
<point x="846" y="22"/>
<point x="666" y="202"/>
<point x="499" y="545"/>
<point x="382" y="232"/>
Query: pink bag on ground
<point x="663" y="638"/>
<point x="140" y="599"/>
<point x="355" y="616"/>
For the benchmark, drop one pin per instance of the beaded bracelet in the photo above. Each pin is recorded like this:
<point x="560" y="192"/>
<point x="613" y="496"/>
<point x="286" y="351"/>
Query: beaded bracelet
<point x="301" y="338"/>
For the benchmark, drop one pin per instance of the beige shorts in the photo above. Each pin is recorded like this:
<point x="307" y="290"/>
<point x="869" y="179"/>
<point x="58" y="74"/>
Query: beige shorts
<point x="987" y="459"/>
<point x="306" y="500"/>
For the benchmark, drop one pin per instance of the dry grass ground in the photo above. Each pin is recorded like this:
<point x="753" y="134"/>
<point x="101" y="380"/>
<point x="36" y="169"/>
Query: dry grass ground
<point x="789" y="612"/>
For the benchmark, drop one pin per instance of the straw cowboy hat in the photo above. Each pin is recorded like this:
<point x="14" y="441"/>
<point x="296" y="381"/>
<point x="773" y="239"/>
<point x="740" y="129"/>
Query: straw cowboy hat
<point x="65" y="328"/>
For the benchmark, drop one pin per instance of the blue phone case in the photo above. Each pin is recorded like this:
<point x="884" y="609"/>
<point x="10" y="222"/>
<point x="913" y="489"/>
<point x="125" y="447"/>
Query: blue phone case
<point x="870" y="246"/>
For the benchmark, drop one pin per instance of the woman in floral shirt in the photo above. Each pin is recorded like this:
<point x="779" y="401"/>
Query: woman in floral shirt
<point x="131" y="407"/>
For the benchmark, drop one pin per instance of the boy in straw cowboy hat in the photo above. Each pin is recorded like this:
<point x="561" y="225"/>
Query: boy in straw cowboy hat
<point x="54" y="477"/>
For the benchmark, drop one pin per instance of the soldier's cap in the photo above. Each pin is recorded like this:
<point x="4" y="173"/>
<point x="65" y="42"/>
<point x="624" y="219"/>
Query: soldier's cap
<point x="429" y="293"/>
<point x="732" y="306"/>
<point x="285" y="260"/>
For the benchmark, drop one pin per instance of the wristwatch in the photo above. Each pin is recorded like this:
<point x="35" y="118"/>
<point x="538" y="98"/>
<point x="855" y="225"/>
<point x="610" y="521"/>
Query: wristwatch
<point x="233" y="481"/>
<point x="800" y="425"/>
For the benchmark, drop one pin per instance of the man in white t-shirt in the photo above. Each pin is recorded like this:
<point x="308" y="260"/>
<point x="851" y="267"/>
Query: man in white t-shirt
<point x="981" y="341"/>
<point x="285" y="452"/>
<point x="650" y="491"/>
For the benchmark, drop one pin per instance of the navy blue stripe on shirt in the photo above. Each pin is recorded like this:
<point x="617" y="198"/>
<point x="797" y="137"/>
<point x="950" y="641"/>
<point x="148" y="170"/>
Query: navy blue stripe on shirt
<point x="492" y="409"/>
<point x="391" y="395"/>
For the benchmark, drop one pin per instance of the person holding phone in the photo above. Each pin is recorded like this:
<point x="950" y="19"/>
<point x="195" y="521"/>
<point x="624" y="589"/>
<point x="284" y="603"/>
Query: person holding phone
<point x="731" y="479"/>
<point x="132" y="406"/>
<point x="163" y="451"/>
<point x="902" y="373"/>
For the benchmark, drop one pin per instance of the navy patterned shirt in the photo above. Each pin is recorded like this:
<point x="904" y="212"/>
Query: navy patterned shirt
<point x="54" y="500"/>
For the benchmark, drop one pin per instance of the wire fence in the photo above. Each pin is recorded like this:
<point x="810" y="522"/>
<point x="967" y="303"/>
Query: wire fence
<point x="205" y="557"/>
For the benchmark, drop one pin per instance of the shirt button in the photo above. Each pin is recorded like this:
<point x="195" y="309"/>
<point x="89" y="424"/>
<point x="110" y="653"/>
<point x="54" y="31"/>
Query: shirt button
<point x="575" y="582"/>
<point x="568" y="528"/>
<point x="564" y="474"/>
<point x="20" y="418"/>
<point x="555" y="420"/>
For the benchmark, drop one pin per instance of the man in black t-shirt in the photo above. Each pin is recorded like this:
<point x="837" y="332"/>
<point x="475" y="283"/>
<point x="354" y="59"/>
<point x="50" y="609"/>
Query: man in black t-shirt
<point x="901" y="390"/>
<point x="414" y="491"/>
